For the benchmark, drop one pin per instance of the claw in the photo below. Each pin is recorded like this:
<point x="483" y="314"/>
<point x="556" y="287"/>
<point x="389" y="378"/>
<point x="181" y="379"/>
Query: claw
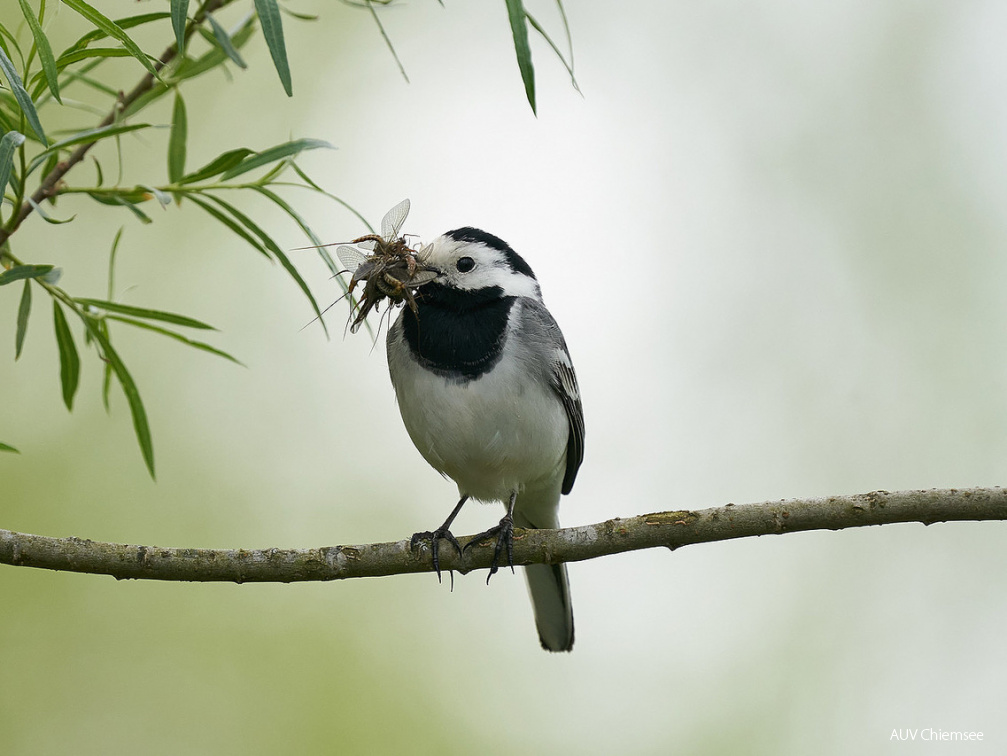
<point x="504" y="535"/>
<point x="434" y="538"/>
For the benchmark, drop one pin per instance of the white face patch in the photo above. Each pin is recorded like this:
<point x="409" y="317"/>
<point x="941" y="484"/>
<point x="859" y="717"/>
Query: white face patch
<point x="485" y="268"/>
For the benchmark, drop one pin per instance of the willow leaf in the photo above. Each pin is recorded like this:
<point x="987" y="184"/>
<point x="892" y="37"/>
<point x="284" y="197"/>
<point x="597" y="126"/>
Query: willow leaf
<point x="190" y="67"/>
<point x="274" y="248"/>
<point x="179" y="12"/>
<point x="44" y="49"/>
<point x="272" y="30"/>
<point x="231" y="224"/>
<point x="280" y="151"/>
<point x="24" y="100"/>
<point x="177" y="336"/>
<point x="145" y="313"/>
<point x="24" y="308"/>
<point x="223" y="39"/>
<point x="218" y="165"/>
<point x="519" y="29"/>
<point x="177" y="140"/>
<point x="8" y="143"/>
<point x="21" y="272"/>
<point x="87" y="136"/>
<point x="139" y="414"/>
<point x="542" y="32"/>
<point x="113" y="30"/>
<point x="128" y="22"/>
<point x="69" y="360"/>
<point x="299" y="220"/>
<point x="124" y="201"/>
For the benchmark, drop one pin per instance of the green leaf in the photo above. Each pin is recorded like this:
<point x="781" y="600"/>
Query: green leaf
<point x="280" y="151"/>
<point x="218" y="165"/>
<point x="10" y="113"/>
<point x="190" y="68"/>
<point x="8" y="448"/>
<point x="272" y="30"/>
<point x="21" y="272"/>
<point x="312" y="185"/>
<point x="113" y="30"/>
<point x="45" y="216"/>
<point x="231" y="224"/>
<point x="177" y="140"/>
<point x="123" y="201"/>
<point x="44" y="50"/>
<point x="22" y="97"/>
<point x="117" y="195"/>
<point x="274" y="248"/>
<point x="8" y="143"/>
<point x="516" y="14"/>
<point x="87" y="136"/>
<point x="76" y="56"/>
<point x="296" y="217"/>
<point x="568" y="65"/>
<point x="69" y="361"/>
<point x="224" y="40"/>
<point x="39" y="83"/>
<point x="179" y="12"/>
<point x="300" y="16"/>
<point x="388" y="42"/>
<point x="111" y="261"/>
<point x="140" y="424"/>
<point x="128" y="22"/>
<point x="91" y="82"/>
<point x="106" y="382"/>
<point x="22" y="319"/>
<point x="143" y="312"/>
<point x="177" y="336"/>
<point x="9" y="42"/>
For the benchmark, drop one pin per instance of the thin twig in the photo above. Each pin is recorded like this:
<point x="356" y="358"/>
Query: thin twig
<point x="667" y="529"/>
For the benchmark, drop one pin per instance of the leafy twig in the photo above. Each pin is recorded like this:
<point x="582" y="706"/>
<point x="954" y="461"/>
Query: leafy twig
<point x="48" y="186"/>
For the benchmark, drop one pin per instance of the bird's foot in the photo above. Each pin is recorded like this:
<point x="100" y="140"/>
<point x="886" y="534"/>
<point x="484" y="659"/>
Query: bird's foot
<point x="434" y="537"/>
<point x="504" y="535"/>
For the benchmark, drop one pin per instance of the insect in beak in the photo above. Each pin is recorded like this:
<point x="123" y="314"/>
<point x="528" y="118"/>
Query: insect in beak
<point x="388" y="267"/>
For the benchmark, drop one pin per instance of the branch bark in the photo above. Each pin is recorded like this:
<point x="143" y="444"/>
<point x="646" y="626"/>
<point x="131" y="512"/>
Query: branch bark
<point x="668" y="529"/>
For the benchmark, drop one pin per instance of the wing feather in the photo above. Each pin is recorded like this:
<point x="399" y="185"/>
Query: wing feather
<point x="566" y="386"/>
<point x="543" y="333"/>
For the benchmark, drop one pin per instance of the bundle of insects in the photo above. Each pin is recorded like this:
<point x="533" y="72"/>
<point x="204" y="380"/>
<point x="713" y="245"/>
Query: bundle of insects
<point x="386" y="264"/>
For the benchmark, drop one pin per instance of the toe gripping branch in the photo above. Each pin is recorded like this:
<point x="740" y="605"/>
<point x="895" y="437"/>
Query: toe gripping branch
<point x="502" y="533"/>
<point x="434" y="537"/>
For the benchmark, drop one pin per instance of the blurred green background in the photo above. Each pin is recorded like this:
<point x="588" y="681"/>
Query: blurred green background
<point x="774" y="236"/>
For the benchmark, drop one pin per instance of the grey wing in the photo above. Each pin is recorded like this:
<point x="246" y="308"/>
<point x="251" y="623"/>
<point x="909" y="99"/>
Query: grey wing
<point x="541" y="327"/>
<point x="569" y="392"/>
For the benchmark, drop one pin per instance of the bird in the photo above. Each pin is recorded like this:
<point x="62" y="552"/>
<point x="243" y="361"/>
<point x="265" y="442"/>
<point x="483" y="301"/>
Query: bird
<point x="488" y="394"/>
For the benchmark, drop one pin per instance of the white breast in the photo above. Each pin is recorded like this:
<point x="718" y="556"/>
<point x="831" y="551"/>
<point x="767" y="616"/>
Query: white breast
<point x="502" y="432"/>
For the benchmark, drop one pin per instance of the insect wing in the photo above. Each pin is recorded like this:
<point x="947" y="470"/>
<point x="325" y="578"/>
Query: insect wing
<point x="391" y="224"/>
<point x="350" y="257"/>
<point x="422" y="277"/>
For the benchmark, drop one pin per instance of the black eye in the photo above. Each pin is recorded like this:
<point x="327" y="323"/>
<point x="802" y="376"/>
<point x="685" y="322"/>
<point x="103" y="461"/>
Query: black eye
<point x="465" y="264"/>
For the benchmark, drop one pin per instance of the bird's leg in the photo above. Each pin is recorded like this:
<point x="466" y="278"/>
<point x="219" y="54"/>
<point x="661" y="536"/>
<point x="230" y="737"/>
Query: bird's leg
<point x="435" y="536"/>
<point x="504" y="535"/>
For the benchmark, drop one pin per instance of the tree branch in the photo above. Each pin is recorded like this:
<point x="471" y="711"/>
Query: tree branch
<point x="668" y="529"/>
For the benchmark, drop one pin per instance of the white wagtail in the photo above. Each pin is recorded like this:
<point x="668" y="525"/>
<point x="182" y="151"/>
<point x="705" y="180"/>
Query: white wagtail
<point x="488" y="395"/>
